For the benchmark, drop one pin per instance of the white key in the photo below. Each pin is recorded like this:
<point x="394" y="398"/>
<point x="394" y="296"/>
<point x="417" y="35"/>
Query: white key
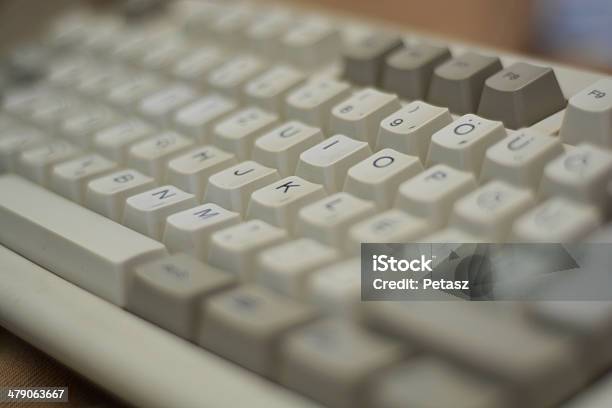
<point x="311" y="43"/>
<point x="232" y="187"/>
<point x="269" y="90"/>
<point x="278" y="204"/>
<point x="328" y="162"/>
<point x="409" y="130"/>
<point x="378" y="177"/>
<point x="588" y="116"/>
<point x="389" y="226"/>
<point x="137" y="41"/>
<point x="82" y="127"/>
<point x="228" y="27"/>
<point x="463" y="143"/>
<point x="51" y="114"/>
<point x="235" y="248"/>
<point x="199" y="118"/>
<point x="67" y="71"/>
<point x="115" y="141"/>
<point x="312" y="102"/>
<point x="520" y="158"/>
<point x="152" y="155"/>
<point x="265" y="32"/>
<point x="106" y="195"/>
<point x="21" y="102"/>
<point x="491" y="209"/>
<point x="194" y="67"/>
<point x="336" y="289"/>
<point x="359" y="116"/>
<point x="237" y="133"/>
<point x="189" y="231"/>
<point x="128" y="95"/>
<point x="453" y="235"/>
<point x="147" y="212"/>
<point x="580" y="174"/>
<point x="70" y="178"/>
<point x="557" y="220"/>
<point x="287" y="267"/>
<point x="432" y="194"/>
<point x="19" y="140"/>
<point x="165" y="55"/>
<point x="101" y="81"/>
<point x="281" y="147"/>
<point x="328" y="220"/>
<point x="230" y="78"/>
<point x="191" y="171"/>
<point x="161" y="106"/>
<point x="72" y="236"/>
<point x="36" y="163"/>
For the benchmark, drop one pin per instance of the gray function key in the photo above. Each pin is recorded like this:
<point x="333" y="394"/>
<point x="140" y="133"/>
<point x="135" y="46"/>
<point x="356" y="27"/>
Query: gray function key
<point x="457" y="84"/>
<point x="521" y="95"/>
<point x="364" y="58"/>
<point x="408" y="70"/>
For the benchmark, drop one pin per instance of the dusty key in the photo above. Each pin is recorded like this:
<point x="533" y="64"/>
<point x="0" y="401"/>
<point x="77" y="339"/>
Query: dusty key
<point x="521" y="95"/>
<point x="333" y="362"/>
<point x="409" y="69"/>
<point x="457" y="83"/>
<point x="588" y="117"/>
<point x="246" y="325"/>
<point x="364" y="57"/>
<point x="169" y="292"/>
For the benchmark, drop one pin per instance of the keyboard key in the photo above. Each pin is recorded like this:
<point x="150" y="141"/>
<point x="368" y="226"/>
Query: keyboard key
<point x="333" y="362"/>
<point x="269" y="90"/>
<point x="328" y="220"/>
<point x="106" y="195"/>
<point x="432" y="382"/>
<point x="165" y="55"/>
<point x="160" y="106"/>
<point x="359" y="116"/>
<point x="313" y="102"/>
<point x="237" y="133"/>
<point x="72" y="237"/>
<point x="388" y="226"/>
<point x="246" y="325"/>
<point x="18" y="141"/>
<point x="228" y="27"/>
<point x="82" y="127"/>
<point x="286" y="268"/>
<point x="281" y="147"/>
<point x="463" y="143"/>
<point x="364" y="57"/>
<point x="266" y="31"/>
<point x="521" y="95"/>
<point x="432" y="194"/>
<point x="581" y="174"/>
<point x="232" y="187"/>
<point x="588" y="117"/>
<point x="151" y="156"/>
<point x="378" y="177"/>
<point x="195" y="66"/>
<point x="457" y="83"/>
<point x="520" y="158"/>
<point x="147" y="212"/>
<point x="191" y="171"/>
<point x="557" y="220"/>
<point x="279" y="203"/>
<point x="409" y="69"/>
<point x="336" y="289"/>
<point x="127" y="96"/>
<point x="115" y="141"/>
<point x="409" y="129"/>
<point x="231" y="76"/>
<point x="328" y="162"/>
<point x="199" y="118"/>
<point x="544" y="370"/>
<point x="312" y="43"/>
<point x="235" y="249"/>
<point x="36" y="163"/>
<point x="189" y="231"/>
<point x="491" y="209"/>
<point x="169" y="292"/>
<point x="70" y="178"/>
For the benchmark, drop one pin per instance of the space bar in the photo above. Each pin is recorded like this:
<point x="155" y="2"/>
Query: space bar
<point x="71" y="241"/>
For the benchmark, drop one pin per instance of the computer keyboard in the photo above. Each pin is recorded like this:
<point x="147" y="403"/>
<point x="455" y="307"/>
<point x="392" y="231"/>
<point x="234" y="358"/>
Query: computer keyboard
<point x="187" y="191"/>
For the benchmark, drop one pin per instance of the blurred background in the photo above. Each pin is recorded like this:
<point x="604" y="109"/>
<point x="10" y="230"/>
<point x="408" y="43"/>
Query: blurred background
<point x="578" y="32"/>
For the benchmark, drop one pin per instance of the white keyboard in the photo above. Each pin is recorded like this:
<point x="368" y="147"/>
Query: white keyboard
<point x="185" y="193"/>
